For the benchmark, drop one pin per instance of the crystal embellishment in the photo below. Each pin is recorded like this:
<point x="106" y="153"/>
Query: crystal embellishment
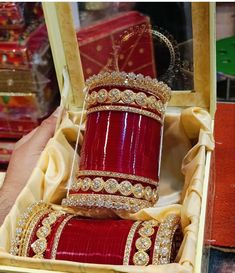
<point x="39" y="246"/>
<point x="49" y="220"/>
<point x="111" y="186"/>
<point x="138" y="190"/>
<point x="108" y="201"/>
<point x="128" y="96"/>
<point x="163" y="241"/>
<point x="102" y="95"/>
<point x="146" y="231"/>
<point x="86" y="184"/>
<point x="152" y="223"/>
<point x="143" y="243"/>
<point x="114" y="95"/>
<point x="141" y="258"/>
<point x="92" y="97"/>
<point x="138" y="81"/>
<point x="125" y="188"/>
<point x="43" y="231"/>
<point x="97" y="184"/>
<point x="148" y="193"/>
<point x="34" y="211"/>
<point x="151" y="102"/>
<point x="141" y="99"/>
<point x="154" y="196"/>
<point x="77" y="185"/>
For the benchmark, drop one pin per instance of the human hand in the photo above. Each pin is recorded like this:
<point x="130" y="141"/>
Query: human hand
<point x="23" y="160"/>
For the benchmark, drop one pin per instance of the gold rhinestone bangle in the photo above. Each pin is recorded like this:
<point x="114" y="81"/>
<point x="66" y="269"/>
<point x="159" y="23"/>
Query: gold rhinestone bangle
<point x="112" y="186"/>
<point x="25" y="244"/>
<point x="58" y="235"/>
<point x="144" y="242"/>
<point x="117" y="175"/>
<point x="131" y="80"/>
<point x="114" y="202"/>
<point x="39" y="246"/>
<point x="125" y="109"/>
<point x="163" y="242"/>
<point x="127" y="97"/>
<point x="22" y="226"/>
<point x="129" y="242"/>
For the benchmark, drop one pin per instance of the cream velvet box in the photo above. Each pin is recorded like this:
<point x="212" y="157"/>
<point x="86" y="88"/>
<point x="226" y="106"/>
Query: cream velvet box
<point x="186" y="121"/>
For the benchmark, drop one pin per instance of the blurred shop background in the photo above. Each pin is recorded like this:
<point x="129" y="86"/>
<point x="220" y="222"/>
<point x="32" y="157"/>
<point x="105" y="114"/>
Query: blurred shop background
<point x="222" y="239"/>
<point x="28" y="86"/>
<point x="121" y="36"/>
<point x="225" y="49"/>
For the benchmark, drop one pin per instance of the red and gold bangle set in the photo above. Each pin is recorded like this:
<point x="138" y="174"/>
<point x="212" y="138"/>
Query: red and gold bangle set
<point x="118" y="172"/>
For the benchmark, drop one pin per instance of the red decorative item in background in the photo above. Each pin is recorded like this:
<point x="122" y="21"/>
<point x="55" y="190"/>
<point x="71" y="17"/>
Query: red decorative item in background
<point x="11" y="15"/>
<point x="224" y="203"/>
<point x="18" y="52"/>
<point x="123" y="43"/>
<point x="27" y="79"/>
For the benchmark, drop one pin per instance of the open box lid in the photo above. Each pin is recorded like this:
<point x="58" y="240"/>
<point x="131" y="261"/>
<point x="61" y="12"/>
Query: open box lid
<point x="65" y="52"/>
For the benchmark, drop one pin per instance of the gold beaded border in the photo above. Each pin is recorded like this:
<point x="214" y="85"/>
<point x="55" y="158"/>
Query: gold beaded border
<point x="125" y="109"/>
<point x="58" y="235"/>
<point x="129" y="242"/>
<point x="131" y="80"/>
<point x="163" y="242"/>
<point x="119" y="203"/>
<point x="29" y="231"/>
<point x="23" y="223"/>
<point x="40" y="245"/>
<point x="117" y="175"/>
<point x="139" y="99"/>
<point x="141" y="257"/>
<point x="125" y="188"/>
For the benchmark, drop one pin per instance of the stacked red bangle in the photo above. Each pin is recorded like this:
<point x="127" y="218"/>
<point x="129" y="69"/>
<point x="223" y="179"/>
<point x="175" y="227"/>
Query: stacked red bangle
<point x="45" y="233"/>
<point x="120" y="156"/>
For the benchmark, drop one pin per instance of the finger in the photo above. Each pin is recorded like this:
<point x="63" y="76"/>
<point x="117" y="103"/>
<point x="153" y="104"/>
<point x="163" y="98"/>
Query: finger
<point x="28" y="150"/>
<point x="44" y="132"/>
<point x="25" y="138"/>
<point x="38" y="138"/>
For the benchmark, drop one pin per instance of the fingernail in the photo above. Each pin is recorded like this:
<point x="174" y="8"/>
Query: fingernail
<point x="56" y="112"/>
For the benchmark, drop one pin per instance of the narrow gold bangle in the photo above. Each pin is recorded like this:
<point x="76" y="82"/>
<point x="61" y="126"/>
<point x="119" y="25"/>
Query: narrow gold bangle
<point x="118" y="203"/>
<point x="125" y="109"/>
<point x="126" y="97"/>
<point x="39" y="246"/>
<point x="25" y="245"/>
<point x="117" y="175"/>
<point x="17" y="244"/>
<point x="130" y="80"/>
<point x="58" y="235"/>
<point x="112" y="186"/>
<point x="163" y="242"/>
<point x="144" y="242"/>
<point x="129" y="242"/>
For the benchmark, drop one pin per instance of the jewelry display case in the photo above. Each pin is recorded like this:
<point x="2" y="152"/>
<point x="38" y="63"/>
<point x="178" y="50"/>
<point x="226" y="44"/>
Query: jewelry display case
<point x="185" y="180"/>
